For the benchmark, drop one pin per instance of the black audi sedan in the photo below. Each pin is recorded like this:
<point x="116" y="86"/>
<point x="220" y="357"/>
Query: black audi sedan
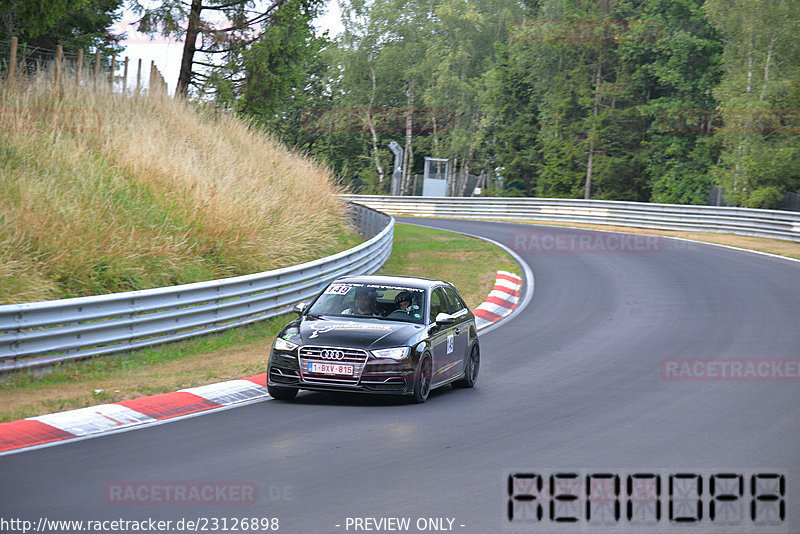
<point x="377" y="334"/>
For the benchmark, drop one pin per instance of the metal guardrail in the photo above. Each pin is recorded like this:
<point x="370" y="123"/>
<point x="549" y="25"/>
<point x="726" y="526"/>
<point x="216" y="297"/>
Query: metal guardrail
<point x="742" y="221"/>
<point x="46" y="333"/>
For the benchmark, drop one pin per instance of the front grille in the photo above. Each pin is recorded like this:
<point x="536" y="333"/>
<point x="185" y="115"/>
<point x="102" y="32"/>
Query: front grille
<point x="332" y="355"/>
<point x="354" y="356"/>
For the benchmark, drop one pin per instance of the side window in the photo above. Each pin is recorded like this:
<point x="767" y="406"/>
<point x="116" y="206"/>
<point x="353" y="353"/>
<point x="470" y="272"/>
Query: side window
<point x="438" y="303"/>
<point x="455" y="304"/>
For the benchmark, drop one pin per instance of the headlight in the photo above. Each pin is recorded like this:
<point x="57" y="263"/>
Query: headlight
<point x="393" y="354"/>
<point x="282" y="344"/>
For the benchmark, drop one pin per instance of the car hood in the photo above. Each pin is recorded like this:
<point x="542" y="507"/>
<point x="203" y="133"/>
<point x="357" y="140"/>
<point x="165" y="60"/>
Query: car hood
<point x="366" y="334"/>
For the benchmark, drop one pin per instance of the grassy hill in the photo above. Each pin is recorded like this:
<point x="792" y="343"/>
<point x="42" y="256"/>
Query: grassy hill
<point x="103" y="192"/>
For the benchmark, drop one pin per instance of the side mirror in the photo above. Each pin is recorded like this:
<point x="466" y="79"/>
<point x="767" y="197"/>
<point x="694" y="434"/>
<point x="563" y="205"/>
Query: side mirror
<point x="300" y="307"/>
<point x="444" y="318"/>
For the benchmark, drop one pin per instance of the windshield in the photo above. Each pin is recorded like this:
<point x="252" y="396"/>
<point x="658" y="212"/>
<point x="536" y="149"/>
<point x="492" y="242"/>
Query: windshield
<point x="394" y="303"/>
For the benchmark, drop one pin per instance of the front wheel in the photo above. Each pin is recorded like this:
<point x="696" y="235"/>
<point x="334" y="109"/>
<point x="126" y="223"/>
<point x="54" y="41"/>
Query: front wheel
<point x="422" y="384"/>
<point x="282" y="393"/>
<point x="471" y="368"/>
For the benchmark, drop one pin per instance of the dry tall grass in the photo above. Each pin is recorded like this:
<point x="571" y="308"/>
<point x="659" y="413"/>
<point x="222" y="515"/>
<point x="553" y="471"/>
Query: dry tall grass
<point x="103" y="192"/>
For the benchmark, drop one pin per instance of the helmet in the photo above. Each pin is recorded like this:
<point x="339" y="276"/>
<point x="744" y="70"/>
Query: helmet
<point x="403" y="295"/>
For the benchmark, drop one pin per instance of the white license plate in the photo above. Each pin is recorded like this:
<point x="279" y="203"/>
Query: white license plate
<point x="330" y="368"/>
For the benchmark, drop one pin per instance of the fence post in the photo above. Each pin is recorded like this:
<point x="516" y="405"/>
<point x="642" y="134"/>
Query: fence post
<point x="152" y="76"/>
<point x="111" y="74"/>
<point x="59" y="57"/>
<point x="125" y="77"/>
<point x="139" y="77"/>
<point x="96" y="66"/>
<point x="12" y="66"/>
<point x="79" y="66"/>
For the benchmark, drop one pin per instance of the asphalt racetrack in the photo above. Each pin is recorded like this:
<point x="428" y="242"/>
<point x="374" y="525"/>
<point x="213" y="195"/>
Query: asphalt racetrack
<point x="606" y="371"/>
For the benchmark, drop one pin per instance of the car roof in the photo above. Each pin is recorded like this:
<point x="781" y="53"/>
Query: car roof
<point x="392" y="280"/>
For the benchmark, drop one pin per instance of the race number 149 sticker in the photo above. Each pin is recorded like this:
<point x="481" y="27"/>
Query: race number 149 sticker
<point x="337" y="289"/>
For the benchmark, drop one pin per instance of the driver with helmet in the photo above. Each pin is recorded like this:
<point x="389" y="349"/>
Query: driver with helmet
<point x="365" y="303"/>
<point x="405" y="303"/>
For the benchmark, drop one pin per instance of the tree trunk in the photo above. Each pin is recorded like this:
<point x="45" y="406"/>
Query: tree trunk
<point x="189" y="47"/>
<point x="740" y="178"/>
<point x="587" y="187"/>
<point x="435" y="137"/>
<point x="408" y="156"/>
<point x="371" y="124"/>
<point x="462" y="188"/>
<point x="766" y="68"/>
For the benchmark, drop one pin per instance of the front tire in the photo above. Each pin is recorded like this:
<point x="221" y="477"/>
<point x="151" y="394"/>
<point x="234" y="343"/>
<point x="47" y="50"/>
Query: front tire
<point x="472" y="366"/>
<point x="282" y="393"/>
<point x="422" y="384"/>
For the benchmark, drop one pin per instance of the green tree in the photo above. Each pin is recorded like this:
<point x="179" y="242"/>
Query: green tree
<point x="376" y="86"/>
<point x="758" y="98"/>
<point x="510" y="125"/>
<point x="262" y="79"/>
<point x="460" y="51"/>
<point x="73" y="24"/>
<point x="242" y="21"/>
<point x="677" y="63"/>
<point x="594" y="95"/>
<point x="589" y="134"/>
<point x="412" y="72"/>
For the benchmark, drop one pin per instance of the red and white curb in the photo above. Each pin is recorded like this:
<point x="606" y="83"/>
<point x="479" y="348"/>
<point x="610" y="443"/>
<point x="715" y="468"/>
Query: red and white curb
<point x="104" y="418"/>
<point x="120" y="415"/>
<point x="501" y="300"/>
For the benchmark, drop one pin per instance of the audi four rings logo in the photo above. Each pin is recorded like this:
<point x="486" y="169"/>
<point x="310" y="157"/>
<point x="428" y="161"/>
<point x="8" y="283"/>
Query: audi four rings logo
<point x="332" y="354"/>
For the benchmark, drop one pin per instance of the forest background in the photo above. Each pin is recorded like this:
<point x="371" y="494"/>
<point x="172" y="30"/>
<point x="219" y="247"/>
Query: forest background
<point x="646" y="100"/>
